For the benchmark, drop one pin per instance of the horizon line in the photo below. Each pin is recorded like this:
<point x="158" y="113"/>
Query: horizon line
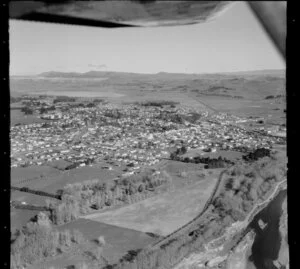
<point x="140" y="73"/>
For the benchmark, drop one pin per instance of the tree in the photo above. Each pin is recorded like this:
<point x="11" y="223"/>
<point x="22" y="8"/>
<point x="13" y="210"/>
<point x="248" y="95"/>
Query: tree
<point x="247" y="206"/>
<point x="27" y="111"/>
<point x="141" y="187"/>
<point x="65" y="238"/>
<point x="101" y="241"/>
<point x="183" y="150"/>
<point x="43" y="110"/>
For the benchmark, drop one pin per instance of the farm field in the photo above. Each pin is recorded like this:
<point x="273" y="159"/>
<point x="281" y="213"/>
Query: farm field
<point x="19" y="217"/>
<point x="50" y="179"/>
<point x="17" y="116"/>
<point x="273" y="112"/>
<point x="182" y="173"/>
<point x="118" y="241"/>
<point x="161" y="214"/>
<point x="23" y="175"/>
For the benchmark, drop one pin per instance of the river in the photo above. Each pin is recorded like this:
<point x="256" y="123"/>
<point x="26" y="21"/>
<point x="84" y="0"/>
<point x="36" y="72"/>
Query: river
<point x="267" y="241"/>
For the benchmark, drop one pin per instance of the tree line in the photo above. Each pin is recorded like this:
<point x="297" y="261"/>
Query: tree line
<point x="159" y="103"/>
<point x="274" y="96"/>
<point x="36" y="192"/>
<point x="60" y="99"/>
<point x="209" y="162"/>
<point x="81" y="198"/>
<point x="257" y="154"/>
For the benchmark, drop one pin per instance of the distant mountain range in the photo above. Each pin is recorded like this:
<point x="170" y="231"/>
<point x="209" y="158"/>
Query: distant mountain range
<point x="250" y="85"/>
<point x="110" y="74"/>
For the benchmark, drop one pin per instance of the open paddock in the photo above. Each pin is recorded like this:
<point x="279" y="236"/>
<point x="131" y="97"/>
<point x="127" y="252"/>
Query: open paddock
<point x="164" y="213"/>
<point x="18" y="117"/>
<point x="118" y="240"/>
<point x="19" y="217"/>
<point x="50" y="179"/>
<point x="22" y="176"/>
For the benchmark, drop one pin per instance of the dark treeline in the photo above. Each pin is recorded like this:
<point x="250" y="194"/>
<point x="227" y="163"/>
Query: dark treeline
<point x="99" y="101"/>
<point x="274" y="96"/>
<point x="222" y="95"/>
<point x="44" y="109"/>
<point x="159" y="103"/>
<point x="42" y="193"/>
<point x="27" y="110"/>
<point x="81" y="198"/>
<point x="60" y="99"/>
<point x="257" y="154"/>
<point x="178" y="118"/>
<point x="210" y="163"/>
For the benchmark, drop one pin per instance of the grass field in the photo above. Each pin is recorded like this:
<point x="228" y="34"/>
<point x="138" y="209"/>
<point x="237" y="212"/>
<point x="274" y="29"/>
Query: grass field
<point x="268" y="109"/>
<point x="161" y="214"/>
<point x="19" y="174"/>
<point x="51" y="179"/>
<point x="17" y="116"/>
<point x="48" y="179"/>
<point x="19" y="217"/>
<point x="118" y="240"/>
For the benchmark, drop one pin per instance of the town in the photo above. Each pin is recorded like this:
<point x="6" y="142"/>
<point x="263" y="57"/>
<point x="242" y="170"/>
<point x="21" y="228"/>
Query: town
<point x="136" y="135"/>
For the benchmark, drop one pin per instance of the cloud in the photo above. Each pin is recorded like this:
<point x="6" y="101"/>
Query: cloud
<point x="97" y="66"/>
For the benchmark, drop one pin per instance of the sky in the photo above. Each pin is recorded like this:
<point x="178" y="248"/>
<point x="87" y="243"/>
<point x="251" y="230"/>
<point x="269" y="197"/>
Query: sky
<point x="234" y="41"/>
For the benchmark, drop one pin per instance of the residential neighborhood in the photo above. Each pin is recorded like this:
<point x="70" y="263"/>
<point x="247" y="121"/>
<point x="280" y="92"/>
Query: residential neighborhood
<point x="129" y="134"/>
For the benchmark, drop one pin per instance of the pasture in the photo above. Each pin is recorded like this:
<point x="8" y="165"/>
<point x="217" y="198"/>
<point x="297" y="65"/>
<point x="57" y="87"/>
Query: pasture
<point x="50" y="179"/>
<point x="18" y="117"/>
<point x="118" y="240"/>
<point x="19" y="217"/>
<point x="164" y="213"/>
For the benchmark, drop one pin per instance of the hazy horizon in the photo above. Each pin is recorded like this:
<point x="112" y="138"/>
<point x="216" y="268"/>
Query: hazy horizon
<point x="232" y="42"/>
<point x="212" y="73"/>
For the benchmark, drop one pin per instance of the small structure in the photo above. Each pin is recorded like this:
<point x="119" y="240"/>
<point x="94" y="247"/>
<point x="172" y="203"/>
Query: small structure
<point x="261" y="224"/>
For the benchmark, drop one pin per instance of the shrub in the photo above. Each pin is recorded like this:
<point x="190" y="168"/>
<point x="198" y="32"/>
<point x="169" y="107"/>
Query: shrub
<point x="101" y="241"/>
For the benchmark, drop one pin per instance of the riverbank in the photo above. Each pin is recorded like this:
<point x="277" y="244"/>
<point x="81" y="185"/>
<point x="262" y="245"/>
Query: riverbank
<point x="283" y="255"/>
<point x="268" y="241"/>
<point x="218" y="250"/>
<point x="238" y="258"/>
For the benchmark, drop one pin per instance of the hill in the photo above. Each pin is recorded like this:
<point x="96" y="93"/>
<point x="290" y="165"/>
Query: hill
<point x="245" y="93"/>
<point x="99" y="74"/>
